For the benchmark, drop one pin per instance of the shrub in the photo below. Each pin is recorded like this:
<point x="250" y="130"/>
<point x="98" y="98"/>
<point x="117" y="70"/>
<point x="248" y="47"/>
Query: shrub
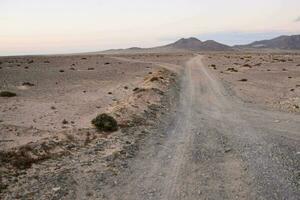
<point x="7" y="94"/>
<point x="154" y="79"/>
<point x="104" y="122"/>
<point x="232" y="69"/>
<point x="27" y="84"/>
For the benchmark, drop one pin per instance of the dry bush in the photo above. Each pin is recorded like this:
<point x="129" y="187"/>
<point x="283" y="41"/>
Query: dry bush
<point x="104" y="122"/>
<point x="7" y="94"/>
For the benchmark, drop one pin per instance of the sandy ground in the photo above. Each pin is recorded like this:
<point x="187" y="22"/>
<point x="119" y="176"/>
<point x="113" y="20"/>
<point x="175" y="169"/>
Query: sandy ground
<point x="266" y="79"/>
<point x="50" y="118"/>
<point x="190" y="127"/>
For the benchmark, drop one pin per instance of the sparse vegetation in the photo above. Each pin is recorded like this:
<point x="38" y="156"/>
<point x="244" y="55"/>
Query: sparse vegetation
<point x="7" y="94"/>
<point x="232" y="69"/>
<point x="21" y="159"/>
<point x="27" y="84"/>
<point x="135" y="89"/>
<point x="104" y="122"/>
<point x="154" y="79"/>
<point x="247" y="65"/>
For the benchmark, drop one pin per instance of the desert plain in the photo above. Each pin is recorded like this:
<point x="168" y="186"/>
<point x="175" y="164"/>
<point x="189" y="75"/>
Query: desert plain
<point x="191" y="125"/>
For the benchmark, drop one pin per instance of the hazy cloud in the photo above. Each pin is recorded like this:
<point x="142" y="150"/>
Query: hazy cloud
<point x="297" y="19"/>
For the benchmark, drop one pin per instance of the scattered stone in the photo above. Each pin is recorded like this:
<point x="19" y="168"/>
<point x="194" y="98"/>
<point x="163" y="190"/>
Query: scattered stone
<point x="56" y="189"/>
<point x="61" y="70"/>
<point x="91" y="68"/>
<point x="243" y="80"/>
<point x="65" y="121"/>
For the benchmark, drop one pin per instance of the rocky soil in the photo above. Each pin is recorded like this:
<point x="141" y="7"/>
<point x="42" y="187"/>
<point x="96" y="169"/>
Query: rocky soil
<point x="49" y="149"/>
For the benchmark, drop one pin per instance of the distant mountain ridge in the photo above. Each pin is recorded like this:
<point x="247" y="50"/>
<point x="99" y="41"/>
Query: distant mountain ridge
<point x="190" y="44"/>
<point x="193" y="44"/>
<point x="197" y="45"/>
<point x="282" y="42"/>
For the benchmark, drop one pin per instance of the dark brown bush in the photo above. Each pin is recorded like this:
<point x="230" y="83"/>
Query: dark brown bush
<point x="104" y="122"/>
<point x="7" y="94"/>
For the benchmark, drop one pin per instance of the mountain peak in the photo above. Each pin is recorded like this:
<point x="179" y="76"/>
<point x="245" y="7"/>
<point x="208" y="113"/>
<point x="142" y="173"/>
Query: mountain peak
<point x="193" y="43"/>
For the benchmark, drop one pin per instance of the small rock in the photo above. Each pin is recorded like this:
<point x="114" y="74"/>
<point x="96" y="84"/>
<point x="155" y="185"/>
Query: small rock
<point x="56" y="189"/>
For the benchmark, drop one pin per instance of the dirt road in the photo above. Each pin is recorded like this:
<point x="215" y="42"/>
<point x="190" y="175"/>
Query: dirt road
<point x="217" y="148"/>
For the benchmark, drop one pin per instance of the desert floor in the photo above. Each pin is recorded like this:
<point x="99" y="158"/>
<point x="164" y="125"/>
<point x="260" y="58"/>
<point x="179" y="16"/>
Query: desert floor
<point x="191" y="126"/>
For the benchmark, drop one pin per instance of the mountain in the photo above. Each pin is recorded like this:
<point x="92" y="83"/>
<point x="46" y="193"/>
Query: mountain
<point x="281" y="42"/>
<point x="188" y="44"/>
<point x="197" y="45"/>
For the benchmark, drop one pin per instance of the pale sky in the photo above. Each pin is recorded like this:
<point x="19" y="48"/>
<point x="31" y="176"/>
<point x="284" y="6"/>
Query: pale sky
<point x="66" y="26"/>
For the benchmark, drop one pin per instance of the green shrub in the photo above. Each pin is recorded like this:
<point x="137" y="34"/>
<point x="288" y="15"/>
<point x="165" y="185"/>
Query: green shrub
<point x="7" y="94"/>
<point x="104" y="122"/>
